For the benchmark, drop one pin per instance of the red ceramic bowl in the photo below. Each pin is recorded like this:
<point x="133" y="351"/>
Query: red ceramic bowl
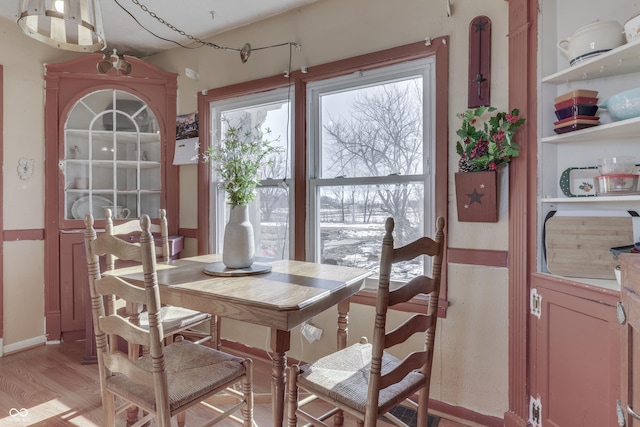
<point x="577" y="119"/>
<point x="577" y="100"/>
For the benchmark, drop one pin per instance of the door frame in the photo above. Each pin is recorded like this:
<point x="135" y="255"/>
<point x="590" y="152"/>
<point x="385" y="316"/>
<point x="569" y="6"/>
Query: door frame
<point x="523" y="50"/>
<point x="1" y="212"/>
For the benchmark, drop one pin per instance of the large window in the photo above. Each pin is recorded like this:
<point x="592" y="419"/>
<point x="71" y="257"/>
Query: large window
<point x="365" y="145"/>
<point x="371" y="146"/>
<point x="270" y="114"/>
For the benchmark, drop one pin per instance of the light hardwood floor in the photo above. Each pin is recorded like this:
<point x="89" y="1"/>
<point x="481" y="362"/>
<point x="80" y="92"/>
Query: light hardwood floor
<point x="48" y="386"/>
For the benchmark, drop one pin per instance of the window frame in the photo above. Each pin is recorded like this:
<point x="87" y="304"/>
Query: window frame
<point x="424" y="68"/>
<point x="437" y="47"/>
<point x="217" y="196"/>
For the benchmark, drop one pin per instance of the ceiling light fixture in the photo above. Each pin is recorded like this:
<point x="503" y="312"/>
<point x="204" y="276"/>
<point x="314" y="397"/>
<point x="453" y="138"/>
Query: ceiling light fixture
<point x="113" y="60"/>
<point x="74" y="25"/>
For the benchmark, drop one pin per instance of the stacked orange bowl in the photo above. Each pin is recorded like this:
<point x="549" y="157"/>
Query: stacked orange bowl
<point x="576" y="110"/>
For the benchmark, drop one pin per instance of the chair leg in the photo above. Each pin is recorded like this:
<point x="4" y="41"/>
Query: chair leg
<point x="214" y="332"/>
<point x="247" y="391"/>
<point x="132" y="415"/>
<point x="109" y="408"/>
<point x="292" y="395"/>
<point x="182" y="418"/>
<point x="132" y="411"/>
<point x="423" y="406"/>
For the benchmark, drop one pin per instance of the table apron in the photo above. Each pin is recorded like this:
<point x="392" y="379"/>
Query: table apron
<point x="284" y="320"/>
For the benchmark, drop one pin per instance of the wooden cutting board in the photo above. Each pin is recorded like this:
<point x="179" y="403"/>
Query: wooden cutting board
<point x="579" y="246"/>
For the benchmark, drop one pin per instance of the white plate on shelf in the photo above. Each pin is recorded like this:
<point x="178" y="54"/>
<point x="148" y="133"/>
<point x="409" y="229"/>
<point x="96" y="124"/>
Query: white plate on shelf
<point x="579" y="182"/>
<point x="82" y="206"/>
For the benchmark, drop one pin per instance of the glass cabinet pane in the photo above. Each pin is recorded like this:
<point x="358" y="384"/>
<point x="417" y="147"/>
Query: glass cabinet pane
<point x="104" y="163"/>
<point x="127" y="147"/>
<point x="127" y="176"/>
<point x="101" y="146"/>
<point x="150" y="204"/>
<point x="150" y="178"/>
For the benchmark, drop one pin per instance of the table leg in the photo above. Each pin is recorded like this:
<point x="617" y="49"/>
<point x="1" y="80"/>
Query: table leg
<point x="343" y="323"/>
<point x="343" y="332"/>
<point x="280" y="344"/>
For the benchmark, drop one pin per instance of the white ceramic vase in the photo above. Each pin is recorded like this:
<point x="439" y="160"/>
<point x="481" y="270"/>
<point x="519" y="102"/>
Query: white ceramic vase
<point x="238" y="247"/>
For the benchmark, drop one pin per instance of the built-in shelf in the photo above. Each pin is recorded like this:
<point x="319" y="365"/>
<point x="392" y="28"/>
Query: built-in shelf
<point x="591" y="199"/>
<point x="622" y="60"/>
<point x="629" y="128"/>
<point x="618" y="135"/>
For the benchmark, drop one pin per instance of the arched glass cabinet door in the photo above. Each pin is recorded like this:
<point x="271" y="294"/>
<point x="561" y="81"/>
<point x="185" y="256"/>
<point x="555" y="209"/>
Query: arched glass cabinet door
<point x="112" y="157"/>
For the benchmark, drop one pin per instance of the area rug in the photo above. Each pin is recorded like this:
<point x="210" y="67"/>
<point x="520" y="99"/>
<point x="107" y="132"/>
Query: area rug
<point x="409" y="416"/>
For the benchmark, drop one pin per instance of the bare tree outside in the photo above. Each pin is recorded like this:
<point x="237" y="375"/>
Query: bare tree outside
<point x="271" y="198"/>
<point x="382" y="136"/>
<point x="375" y="133"/>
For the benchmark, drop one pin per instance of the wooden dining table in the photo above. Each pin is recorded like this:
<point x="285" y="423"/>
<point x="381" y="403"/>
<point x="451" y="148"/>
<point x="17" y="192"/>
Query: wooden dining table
<point x="290" y="294"/>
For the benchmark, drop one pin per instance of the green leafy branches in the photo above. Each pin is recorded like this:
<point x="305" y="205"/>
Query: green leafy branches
<point x="487" y="138"/>
<point x="243" y="152"/>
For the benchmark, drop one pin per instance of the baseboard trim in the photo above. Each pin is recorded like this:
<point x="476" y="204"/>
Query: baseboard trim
<point x="23" y="345"/>
<point x="440" y="408"/>
<point x="512" y="419"/>
<point x="465" y="414"/>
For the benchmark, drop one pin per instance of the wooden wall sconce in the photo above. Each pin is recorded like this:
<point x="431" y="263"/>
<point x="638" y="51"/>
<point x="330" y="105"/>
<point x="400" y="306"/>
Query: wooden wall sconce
<point x="479" y="62"/>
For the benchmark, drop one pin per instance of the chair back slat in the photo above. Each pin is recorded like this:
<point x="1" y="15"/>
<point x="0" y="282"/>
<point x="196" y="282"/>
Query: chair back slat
<point x="132" y="227"/>
<point x="118" y="325"/>
<point x="112" y="246"/>
<point x="417" y="285"/>
<point x="415" y="324"/>
<point x="412" y="362"/>
<point x="126" y="228"/>
<point x="120" y="362"/>
<point x="422" y="246"/>
<point x="111" y="285"/>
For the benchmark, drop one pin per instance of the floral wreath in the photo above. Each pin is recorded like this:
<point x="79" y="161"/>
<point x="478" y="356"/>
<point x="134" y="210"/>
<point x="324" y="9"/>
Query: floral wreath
<point x="487" y="138"/>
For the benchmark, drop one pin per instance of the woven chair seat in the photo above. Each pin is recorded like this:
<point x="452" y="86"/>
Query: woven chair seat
<point x="175" y="319"/>
<point x="344" y="376"/>
<point x="192" y="370"/>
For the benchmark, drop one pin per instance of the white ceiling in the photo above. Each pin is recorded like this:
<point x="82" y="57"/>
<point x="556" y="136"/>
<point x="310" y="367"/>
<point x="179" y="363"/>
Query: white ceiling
<point x="198" y="18"/>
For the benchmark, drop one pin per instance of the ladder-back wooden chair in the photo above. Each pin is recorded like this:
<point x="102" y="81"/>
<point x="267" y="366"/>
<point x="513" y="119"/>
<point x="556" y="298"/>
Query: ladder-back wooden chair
<point x="193" y="325"/>
<point x="171" y="378"/>
<point x="363" y="379"/>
